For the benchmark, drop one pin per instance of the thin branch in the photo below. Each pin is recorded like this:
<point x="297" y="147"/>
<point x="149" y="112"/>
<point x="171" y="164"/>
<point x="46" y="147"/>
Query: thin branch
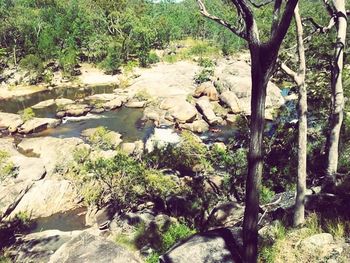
<point x="291" y="73"/>
<point x="276" y="16"/>
<point x="218" y="20"/>
<point x="319" y="28"/>
<point x="283" y="26"/>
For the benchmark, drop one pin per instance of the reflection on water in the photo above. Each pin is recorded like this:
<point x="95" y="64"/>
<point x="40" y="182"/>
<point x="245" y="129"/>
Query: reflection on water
<point x="126" y="121"/>
<point x="66" y="221"/>
<point x="17" y="104"/>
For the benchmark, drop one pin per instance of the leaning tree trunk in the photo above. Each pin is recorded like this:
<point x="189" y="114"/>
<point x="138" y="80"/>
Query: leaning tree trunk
<point x="337" y="113"/>
<point x="260" y="79"/>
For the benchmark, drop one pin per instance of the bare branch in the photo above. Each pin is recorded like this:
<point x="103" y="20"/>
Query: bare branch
<point x="291" y="73"/>
<point x="276" y="15"/>
<point x="258" y="5"/>
<point x="218" y="20"/>
<point x="283" y="25"/>
<point x="319" y="28"/>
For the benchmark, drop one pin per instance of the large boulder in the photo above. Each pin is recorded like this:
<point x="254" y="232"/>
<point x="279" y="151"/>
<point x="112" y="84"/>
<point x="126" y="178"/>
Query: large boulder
<point x="207" y="109"/>
<point x="10" y="121"/>
<point x="166" y="80"/>
<point x="102" y="97"/>
<point x="231" y="100"/>
<point x="39" y="247"/>
<point x="179" y="109"/>
<point x="47" y="197"/>
<point x="51" y="102"/>
<point x="89" y="248"/>
<point x="235" y="76"/>
<point x="55" y="153"/>
<point x="113" y="104"/>
<point x="74" y="110"/>
<point x="220" y="245"/>
<point x="38" y="124"/>
<point x="206" y="89"/>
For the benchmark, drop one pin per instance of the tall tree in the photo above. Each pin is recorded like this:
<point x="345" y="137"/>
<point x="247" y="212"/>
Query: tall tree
<point x="263" y="59"/>
<point x="299" y="79"/>
<point x="338" y="14"/>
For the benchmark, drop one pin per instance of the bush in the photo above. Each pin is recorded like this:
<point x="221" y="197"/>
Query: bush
<point x="175" y="233"/>
<point x="32" y="62"/>
<point x="153" y="58"/>
<point x="7" y="168"/>
<point x="113" y="60"/>
<point x="102" y="139"/>
<point x="68" y="60"/>
<point x="204" y="75"/>
<point x="27" y="114"/>
<point x="266" y="194"/>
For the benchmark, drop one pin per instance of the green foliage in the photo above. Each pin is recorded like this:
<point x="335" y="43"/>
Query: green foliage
<point x="7" y="167"/>
<point x="102" y="138"/>
<point x="266" y="195"/>
<point x="153" y="58"/>
<point x="175" y="233"/>
<point x="113" y="60"/>
<point x="32" y="62"/>
<point x="153" y="258"/>
<point x="27" y="114"/>
<point x="142" y="95"/>
<point x="68" y="61"/>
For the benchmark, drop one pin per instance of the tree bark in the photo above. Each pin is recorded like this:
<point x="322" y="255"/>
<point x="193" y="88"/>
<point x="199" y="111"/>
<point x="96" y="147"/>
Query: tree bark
<point x="336" y="118"/>
<point x="299" y="209"/>
<point x="255" y="158"/>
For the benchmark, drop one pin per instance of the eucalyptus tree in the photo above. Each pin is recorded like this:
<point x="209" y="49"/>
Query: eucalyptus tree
<point x="263" y="60"/>
<point x="298" y="77"/>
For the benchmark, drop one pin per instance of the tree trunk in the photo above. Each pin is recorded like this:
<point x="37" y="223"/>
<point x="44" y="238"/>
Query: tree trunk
<point x="336" y="118"/>
<point x="299" y="209"/>
<point x="260" y="78"/>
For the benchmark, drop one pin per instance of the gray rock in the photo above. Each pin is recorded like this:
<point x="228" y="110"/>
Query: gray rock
<point x="55" y="153"/>
<point x="136" y="104"/>
<point x="161" y="138"/>
<point x="76" y="110"/>
<point x="102" y="97"/>
<point x="198" y="126"/>
<point x="44" y="104"/>
<point x="231" y="100"/>
<point x="38" y="124"/>
<point x="47" y="197"/>
<point x="317" y="241"/>
<point x="39" y="247"/>
<point x="220" y="245"/>
<point x="89" y="248"/>
<point x="113" y="104"/>
<point x="10" y="121"/>
<point x="179" y="109"/>
<point x="206" y="108"/>
<point x="128" y="147"/>
<point x="207" y="89"/>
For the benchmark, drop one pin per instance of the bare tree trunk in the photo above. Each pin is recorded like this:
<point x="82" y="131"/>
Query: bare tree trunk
<point x="337" y="113"/>
<point x="255" y="158"/>
<point x="299" y="210"/>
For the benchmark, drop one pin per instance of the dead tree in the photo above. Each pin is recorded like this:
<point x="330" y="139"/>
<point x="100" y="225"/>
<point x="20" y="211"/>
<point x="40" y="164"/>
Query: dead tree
<point x="263" y="60"/>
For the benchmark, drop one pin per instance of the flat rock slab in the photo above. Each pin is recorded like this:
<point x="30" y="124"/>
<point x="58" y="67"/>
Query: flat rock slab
<point x="166" y="80"/>
<point x="38" y="124"/>
<point x="44" y="104"/>
<point x="47" y="197"/>
<point x="89" y="248"/>
<point x="10" y="121"/>
<point x="53" y="152"/>
<point x="102" y="97"/>
<point x="39" y="247"/>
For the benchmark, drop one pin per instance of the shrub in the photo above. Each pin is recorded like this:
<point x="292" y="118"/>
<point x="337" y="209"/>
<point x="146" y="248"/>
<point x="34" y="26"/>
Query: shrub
<point x="206" y="63"/>
<point x="204" y="75"/>
<point x="142" y="95"/>
<point x="266" y="194"/>
<point x="32" y="62"/>
<point x="113" y="61"/>
<point x="102" y="139"/>
<point x="153" y="58"/>
<point x="68" y="60"/>
<point x="27" y="114"/>
<point x="175" y="233"/>
<point x="7" y="168"/>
